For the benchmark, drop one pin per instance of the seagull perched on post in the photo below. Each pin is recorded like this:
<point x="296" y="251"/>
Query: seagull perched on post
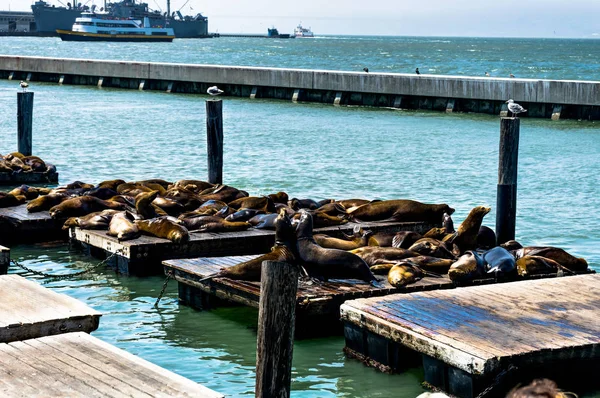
<point x="214" y="90"/>
<point x="515" y="108"/>
<point x="24" y="85"/>
<point x="366" y="70"/>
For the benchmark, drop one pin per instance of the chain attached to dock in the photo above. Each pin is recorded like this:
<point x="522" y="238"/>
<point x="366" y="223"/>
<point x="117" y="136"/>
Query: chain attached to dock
<point x="162" y="292"/>
<point x="67" y="276"/>
<point x="498" y="380"/>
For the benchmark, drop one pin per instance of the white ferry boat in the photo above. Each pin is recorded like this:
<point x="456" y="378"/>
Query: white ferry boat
<point x="302" y="32"/>
<point x="97" y="27"/>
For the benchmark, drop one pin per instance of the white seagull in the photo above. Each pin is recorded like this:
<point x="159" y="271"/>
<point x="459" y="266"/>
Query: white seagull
<point x="214" y="90"/>
<point x="515" y="108"/>
<point x="24" y="85"/>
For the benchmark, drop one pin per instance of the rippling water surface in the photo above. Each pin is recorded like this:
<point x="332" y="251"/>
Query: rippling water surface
<point x="308" y="150"/>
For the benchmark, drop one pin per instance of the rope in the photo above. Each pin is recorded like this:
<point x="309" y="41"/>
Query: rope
<point x="66" y="276"/>
<point x="500" y="377"/>
<point x="162" y="292"/>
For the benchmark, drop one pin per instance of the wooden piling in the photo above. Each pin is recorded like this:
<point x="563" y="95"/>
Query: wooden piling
<point x="506" y="199"/>
<point x="24" y="122"/>
<point x="214" y="140"/>
<point x="276" y="321"/>
<point x="4" y="260"/>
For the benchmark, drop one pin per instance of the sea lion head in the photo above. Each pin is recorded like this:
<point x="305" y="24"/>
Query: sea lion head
<point x="284" y="230"/>
<point x="447" y="209"/>
<point x="304" y="229"/>
<point x="179" y="235"/>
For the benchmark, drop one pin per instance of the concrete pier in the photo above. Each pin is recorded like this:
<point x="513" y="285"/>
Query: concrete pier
<point x="575" y="99"/>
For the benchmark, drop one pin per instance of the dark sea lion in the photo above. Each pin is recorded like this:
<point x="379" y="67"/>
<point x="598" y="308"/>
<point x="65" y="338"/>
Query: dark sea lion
<point x="383" y="239"/>
<point x="405" y="239"/>
<point x="466" y="235"/>
<point x="536" y="265"/>
<point x="288" y="210"/>
<point x="434" y="248"/>
<point x="329" y="263"/>
<point x="403" y="274"/>
<point x="151" y="183"/>
<point x="143" y="204"/>
<point x="36" y="163"/>
<point x="10" y="200"/>
<point x="253" y="202"/>
<point x="333" y="209"/>
<point x="169" y="206"/>
<point x="155" y="187"/>
<point x="224" y="193"/>
<point x="499" y="261"/>
<point x="576" y="264"/>
<point x="511" y="245"/>
<point x="82" y="205"/>
<point x="127" y="200"/>
<point x="46" y="202"/>
<point x="102" y="193"/>
<point x="164" y="228"/>
<point x="213" y="224"/>
<point x="279" y="197"/>
<point x="44" y="191"/>
<point x="123" y="226"/>
<point x="298" y="204"/>
<point x="225" y="212"/>
<point x="111" y="184"/>
<point x="79" y="185"/>
<point x="329" y="242"/>
<point x="208" y="208"/>
<point x="402" y="210"/>
<point x="128" y="187"/>
<point x="195" y="186"/>
<point x="436" y="233"/>
<point x="243" y="215"/>
<point x="187" y="198"/>
<point x="432" y="264"/>
<point x="25" y="190"/>
<point x="96" y="220"/>
<point x="285" y="246"/>
<point x="448" y="224"/>
<point x="374" y="254"/>
<point x="486" y="238"/>
<point x="265" y="221"/>
<point x="469" y="266"/>
<point x="349" y="203"/>
<point x="321" y="220"/>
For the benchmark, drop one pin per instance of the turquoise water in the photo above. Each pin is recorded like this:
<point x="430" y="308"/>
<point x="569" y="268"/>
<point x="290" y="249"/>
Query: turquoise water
<point x="308" y="150"/>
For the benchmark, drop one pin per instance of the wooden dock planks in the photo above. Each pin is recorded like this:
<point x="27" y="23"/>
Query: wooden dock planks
<point x="79" y="365"/>
<point x="28" y="310"/>
<point x="144" y="255"/>
<point x="17" y="225"/>
<point x="479" y="331"/>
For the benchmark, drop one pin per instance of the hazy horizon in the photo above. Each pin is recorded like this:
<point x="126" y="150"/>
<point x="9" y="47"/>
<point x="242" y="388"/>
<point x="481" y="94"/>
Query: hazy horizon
<point x="462" y="18"/>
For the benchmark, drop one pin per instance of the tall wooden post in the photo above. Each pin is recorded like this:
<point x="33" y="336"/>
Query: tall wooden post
<point x="214" y="140"/>
<point x="276" y="321"/>
<point x="4" y="260"/>
<point x="506" y="200"/>
<point x="24" y="122"/>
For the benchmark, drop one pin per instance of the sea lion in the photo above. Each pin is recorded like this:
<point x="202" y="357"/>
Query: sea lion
<point x="10" y="200"/>
<point x="143" y="204"/>
<point x="243" y="215"/>
<point x="279" y="197"/>
<point x="349" y="203"/>
<point x="329" y="242"/>
<point x="554" y="253"/>
<point x="436" y="233"/>
<point x="111" y="184"/>
<point x="383" y="239"/>
<point x="321" y="220"/>
<point x="82" y="205"/>
<point x="102" y="193"/>
<point x="448" y="224"/>
<point x="187" y="198"/>
<point x="96" y="220"/>
<point x="155" y="187"/>
<point x="79" y="185"/>
<point x="151" y="183"/>
<point x="499" y="261"/>
<point x="435" y="248"/>
<point x="329" y="263"/>
<point x="195" y="186"/>
<point x="536" y="265"/>
<point x="123" y="226"/>
<point x="298" y="204"/>
<point x="431" y="264"/>
<point x="285" y="246"/>
<point x="468" y="266"/>
<point x="265" y="221"/>
<point x="36" y="163"/>
<point x="129" y="187"/>
<point x="213" y="224"/>
<point x="169" y="206"/>
<point x="164" y="228"/>
<point x="46" y="202"/>
<point x="511" y="245"/>
<point x="224" y="193"/>
<point x="405" y="239"/>
<point x="253" y="202"/>
<point x="403" y="274"/>
<point x="400" y="210"/>
<point x="466" y="235"/>
<point x="30" y="193"/>
<point x="486" y="238"/>
<point x="333" y="209"/>
<point x="374" y="254"/>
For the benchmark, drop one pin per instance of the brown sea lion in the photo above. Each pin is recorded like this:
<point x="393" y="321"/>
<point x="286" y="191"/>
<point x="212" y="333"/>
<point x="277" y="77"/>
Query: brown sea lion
<point x="329" y="242"/>
<point x="36" y="163"/>
<point x="195" y="186"/>
<point x="511" y="245"/>
<point x="224" y="193"/>
<point x="400" y="210"/>
<point x="25" y="190"/>
<point x="102" y="193"/>
<point x="403" y="274"/>
<point x="436" y="233"/>
<point x="164" y="228"/>
<point x="10" y="200"/>
<point x="298" y="204"/>
<point x="79" y="185"/>
<point x="187" y="198"/>
<point x="46" y="202"/>
<point x="143" y="204"/>
<point x="468" y="266"/>
<point x="435" y="248"/>
<point x="285" y="246"/>
<point x="466" y="235"/>
<point x="333" y="209"/>
<point x="263" y="203"/>
<point x="432" y="264"/>
<point x="405" y="239"/>
<point x="374" y="254"/>
<point x="382" y="239"/>
<point x="576" y="264"/>
<point x="213" y="224"/>
<point x="82" y="205"/>
<point x="151" y="183"/>
<point x="155" y="187"/>
<point x="96" y="220"/>
<point x="111" y="184"/>
<point x="536" y="265"/>
<point x="279" y="197"/>
<point x="349" y="203"/>
<point x="448" y="224"/>
<point x="321" y="220"/>
<point x="265" y="221"/>
<point x="170" y="206"/>
<point x="123" y="226"/>
<point x="329" y="263"/>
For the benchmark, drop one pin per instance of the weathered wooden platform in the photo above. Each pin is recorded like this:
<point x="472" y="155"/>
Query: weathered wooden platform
<point x="28" y="310"/>
<point x="28" y="178"/>
<point x="144" y="255"/>
<point x="79" y="365"/>
<point x="467" y="336"/>
<point x="17" y="225"/>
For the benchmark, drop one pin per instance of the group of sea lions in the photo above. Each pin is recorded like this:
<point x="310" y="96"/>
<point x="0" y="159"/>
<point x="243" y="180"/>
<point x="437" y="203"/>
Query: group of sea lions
<point x="16" y="162"/>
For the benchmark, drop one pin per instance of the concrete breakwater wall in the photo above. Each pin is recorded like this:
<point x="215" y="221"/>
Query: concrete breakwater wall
<point x="543" y="98"/>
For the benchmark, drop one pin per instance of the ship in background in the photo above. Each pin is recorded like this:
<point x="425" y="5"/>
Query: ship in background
<point x="302" y="32"/>
<point x="49" y="18"/>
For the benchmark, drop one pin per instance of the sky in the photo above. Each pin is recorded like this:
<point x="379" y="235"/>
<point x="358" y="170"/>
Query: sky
<point x="506" y="18"/>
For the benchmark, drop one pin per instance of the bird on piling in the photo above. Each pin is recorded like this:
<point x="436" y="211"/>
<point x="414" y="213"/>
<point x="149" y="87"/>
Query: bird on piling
<point x="487" y="74"/>
<point x="417" y="71"/>
<point x="515" y="108"/>
<point x="214" y="90"/>
<point x="366" y="70"/>
<point x="511" y="75"/>
<point x="24" y="85"/>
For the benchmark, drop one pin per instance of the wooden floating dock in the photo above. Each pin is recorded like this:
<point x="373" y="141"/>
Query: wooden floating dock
<point x="144" y="255"/>
<point x="28" y="178"/>
<point x="28" y="311"/>
<point x="17" y="225"/>
<point x="79" y="365"/>
<point x="468" y="336"/>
